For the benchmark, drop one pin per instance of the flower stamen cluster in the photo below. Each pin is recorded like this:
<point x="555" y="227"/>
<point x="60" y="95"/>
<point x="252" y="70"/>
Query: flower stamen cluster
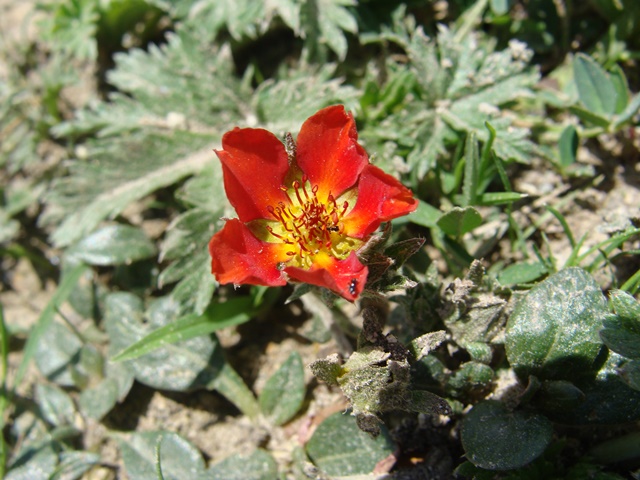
<point x="308" y="224"/>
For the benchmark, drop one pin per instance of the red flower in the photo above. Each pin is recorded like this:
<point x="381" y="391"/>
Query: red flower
<point x="302" y="216"/>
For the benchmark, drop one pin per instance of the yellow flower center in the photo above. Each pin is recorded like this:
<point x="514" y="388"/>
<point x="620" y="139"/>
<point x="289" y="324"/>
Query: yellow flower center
<point x="310" y="227"/>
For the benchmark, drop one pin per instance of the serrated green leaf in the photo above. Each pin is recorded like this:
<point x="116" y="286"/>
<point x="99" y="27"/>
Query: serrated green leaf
<point x="553" y="331"/>
<point x="179" y="458"/>
<point x="595" y="89"/>
<point x="496" y="439"/>
<point x="283" y="105"/>
<point x="258" y="465"/>
<point x="70" y="27"/>
<point x="339" y="448"/>
<point x="200" y="191"/>
<point x="186" y="243"/>
<point x="102" y="189"/>
<point x="113" y="245"/>
<point x="195" y="290"/>
<point x="462" y="83"/>
<point x="242" y="18"/>
<point x="325" y="21"/>
<point x="458" y="221"/>
<point x="283" y="394"/>
<point x="173" y="102"/>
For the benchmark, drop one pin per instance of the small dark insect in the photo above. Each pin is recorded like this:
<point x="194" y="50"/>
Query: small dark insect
<point x="333" y="228"/>
<point x="352" y="286"/>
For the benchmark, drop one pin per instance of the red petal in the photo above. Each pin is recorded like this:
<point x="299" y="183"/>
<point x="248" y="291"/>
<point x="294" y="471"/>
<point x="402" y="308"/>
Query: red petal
<point x="240" y="258"/>
<point x="381" y="197"/>
<point x="328" y="151"/>
<point x="345" y="277"/>
<point x="254" y="164"/>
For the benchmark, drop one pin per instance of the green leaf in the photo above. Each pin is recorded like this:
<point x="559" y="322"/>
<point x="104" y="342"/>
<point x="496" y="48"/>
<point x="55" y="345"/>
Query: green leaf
<point x="627" y="114"/>
<point x="186" y="246"/>
<point x="470" y="185"/>
<point x="185" y="365"/>
<point x="170" y="136"/>
<point x="522" y="272"/>
<point x="97" y="401"/>
<point x="258" y="465"/>
<point x="242" y="18"/>
<point x="283" y="394"/>
<point x="619" y="80"/>
<point x="324" y="22"/>
<point x="500" y="198"/>
<point x="461" y="83"/>
<point x="102" y="188"/>
<point x="458" y="221"/>
<point x="56" y="357"/>
<point x="73" y="464"/>
<point x="219" y="315"/>
<point x="180" y="459"/>
<point x="113" y="245"/>
<point x="595" y="89"/>
<point x="198" y="191"/>
<point x="71" y="27"/>
<point x="339" y="448"/>
<point x="283" y="104"/>
<point x="471" y="375"/>
<point x="55" y="405"/>
<point x="425" y="215"/>
<point x="621" y="331"/>
<point x="568" y="146"/>
<point x="496" y="439"/>
<point x="553" y="331"/>
<point x="33" y="464"/>
<point x="590" y="117"/>
<point x="67" y="284"/>
<point x="608" y="400"/>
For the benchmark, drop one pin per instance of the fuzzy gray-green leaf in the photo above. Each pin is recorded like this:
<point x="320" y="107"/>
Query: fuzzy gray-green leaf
<point x="339" y="448"/>
<point x="553" y="331"/>
<point x="283" y="394"/>
<point x="179" y="458"/>
<point x="257" y="465"/>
